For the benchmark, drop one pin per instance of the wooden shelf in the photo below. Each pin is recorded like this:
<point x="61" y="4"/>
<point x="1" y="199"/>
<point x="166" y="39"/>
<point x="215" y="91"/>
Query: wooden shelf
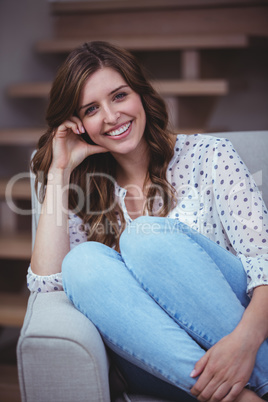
<point x="12" y="309"/>
<point x="20" y="189"/>
<point x="20" y="136"/>
<point x="165" y="87"/>
<point x="150" y="42"/>
<point x="18" y="246"/>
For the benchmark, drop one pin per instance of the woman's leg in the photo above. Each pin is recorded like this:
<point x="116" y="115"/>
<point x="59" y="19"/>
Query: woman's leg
<point x="140" y="382"/>
<point x="95" y="278"/>
<point x="177" y="268"/>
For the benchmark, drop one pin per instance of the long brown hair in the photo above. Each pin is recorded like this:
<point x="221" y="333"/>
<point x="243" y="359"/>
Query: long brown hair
<point x="106" y="223"/>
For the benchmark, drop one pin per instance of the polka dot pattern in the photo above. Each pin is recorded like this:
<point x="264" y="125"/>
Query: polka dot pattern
<point x="217" y="196"/>
<point x="49" y="283"/>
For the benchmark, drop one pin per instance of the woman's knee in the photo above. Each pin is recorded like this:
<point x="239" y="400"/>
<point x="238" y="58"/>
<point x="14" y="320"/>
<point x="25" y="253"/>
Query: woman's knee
<point x="85" y="264"/>
<point x="79" y="256"/>
<point x="139" y="233"/>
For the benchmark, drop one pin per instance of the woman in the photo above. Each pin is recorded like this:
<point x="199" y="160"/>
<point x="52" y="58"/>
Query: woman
<point x="168" y="300"/>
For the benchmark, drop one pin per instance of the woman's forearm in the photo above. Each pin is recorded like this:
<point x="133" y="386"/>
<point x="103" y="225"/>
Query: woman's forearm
<point x="52" y="237"/>
<point x="231" y="360"/>
<point x="255" y="317"/>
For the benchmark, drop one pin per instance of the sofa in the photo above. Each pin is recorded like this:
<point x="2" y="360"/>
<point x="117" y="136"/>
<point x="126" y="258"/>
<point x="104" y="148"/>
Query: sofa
<point x="60" y="354"/>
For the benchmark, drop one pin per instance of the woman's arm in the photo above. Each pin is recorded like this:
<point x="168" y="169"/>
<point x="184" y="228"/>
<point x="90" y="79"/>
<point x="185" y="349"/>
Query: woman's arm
<point x="227" y="366"/>
<point x="255" y="319"/>
<point x="52" y="237"/>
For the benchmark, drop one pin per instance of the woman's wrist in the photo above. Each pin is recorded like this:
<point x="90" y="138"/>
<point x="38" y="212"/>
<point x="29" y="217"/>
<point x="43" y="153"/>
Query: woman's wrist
<point x="254" y="321"/>
<point x="59" y="177"/>
<point x="249" y="335"/>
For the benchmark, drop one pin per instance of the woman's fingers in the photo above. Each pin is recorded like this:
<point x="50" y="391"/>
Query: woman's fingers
<point x="78" y="123"/>
<point x="69" y="148"/>
<point x="222" y="391"/>
<point x="204" y="379"/>
<point x="69" y="125"/>
<point x="225" y="369"/>
<point x="204" y="387"/>
<point x="216" y="391"/>
<point x="80" y="127"/>
<point x="74" y="124"/>
<point x="234" y="393"/>
<point x="199" y="366"/>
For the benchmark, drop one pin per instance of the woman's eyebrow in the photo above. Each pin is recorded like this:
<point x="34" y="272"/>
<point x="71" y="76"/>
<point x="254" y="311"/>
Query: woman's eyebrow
<point x="111" y="93"/>
<point x="117" y="89"/>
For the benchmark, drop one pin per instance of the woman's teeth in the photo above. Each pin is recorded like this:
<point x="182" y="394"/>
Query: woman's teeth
<point x="120" y="130"/>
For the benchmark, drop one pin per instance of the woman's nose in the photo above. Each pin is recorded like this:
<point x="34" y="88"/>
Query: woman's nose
<point x="111" y="116"/>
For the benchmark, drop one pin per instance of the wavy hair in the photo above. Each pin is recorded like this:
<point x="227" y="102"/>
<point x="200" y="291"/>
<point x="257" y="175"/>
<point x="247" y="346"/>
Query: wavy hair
<point x="104" y="218"/>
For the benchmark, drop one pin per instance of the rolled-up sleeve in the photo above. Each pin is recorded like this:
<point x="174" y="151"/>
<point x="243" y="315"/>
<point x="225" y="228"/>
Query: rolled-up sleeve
<point x="40" y="283"/>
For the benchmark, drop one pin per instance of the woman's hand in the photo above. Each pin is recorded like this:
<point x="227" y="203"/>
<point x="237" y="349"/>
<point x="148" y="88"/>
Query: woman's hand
<point x="69" y="149"/>
<point x="225" y="368"/>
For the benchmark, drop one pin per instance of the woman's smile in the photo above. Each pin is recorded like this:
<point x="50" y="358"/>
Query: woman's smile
<point x="112" y="113"/>
<point x="121" y="131"/>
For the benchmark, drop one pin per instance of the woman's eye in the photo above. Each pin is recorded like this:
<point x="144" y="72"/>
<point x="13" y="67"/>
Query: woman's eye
<point x="120" y="96"/>
<point x="90" y="110"/>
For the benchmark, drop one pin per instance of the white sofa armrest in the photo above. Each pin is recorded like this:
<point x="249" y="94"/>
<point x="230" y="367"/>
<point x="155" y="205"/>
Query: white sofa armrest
<point x="61" y="356"/>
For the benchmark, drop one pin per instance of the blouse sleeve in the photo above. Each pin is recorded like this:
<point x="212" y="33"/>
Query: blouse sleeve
<point x="52" y="283"/>
<point x="38" y="283"/>
<point x="242" y="212"/>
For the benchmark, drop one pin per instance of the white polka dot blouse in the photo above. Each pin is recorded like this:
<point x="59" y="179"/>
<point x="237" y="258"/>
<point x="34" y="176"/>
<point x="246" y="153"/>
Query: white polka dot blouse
<point x="216" y="195"/>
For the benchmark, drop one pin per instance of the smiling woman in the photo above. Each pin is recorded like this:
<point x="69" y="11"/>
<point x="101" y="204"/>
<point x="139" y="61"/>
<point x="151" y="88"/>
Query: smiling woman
<point x="169" y="225"/>
<point x="99" y="90"/>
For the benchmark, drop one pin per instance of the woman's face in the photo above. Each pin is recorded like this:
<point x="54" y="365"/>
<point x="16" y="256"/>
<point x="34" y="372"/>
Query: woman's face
<point x="112" y="113"/>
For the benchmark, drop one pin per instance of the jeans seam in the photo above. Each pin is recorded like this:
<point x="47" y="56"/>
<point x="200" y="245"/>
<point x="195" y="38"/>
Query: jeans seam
<point x="259" y="388"/>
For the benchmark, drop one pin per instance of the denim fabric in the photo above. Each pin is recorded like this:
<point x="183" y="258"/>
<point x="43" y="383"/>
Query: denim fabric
<point x="166" y="298"/>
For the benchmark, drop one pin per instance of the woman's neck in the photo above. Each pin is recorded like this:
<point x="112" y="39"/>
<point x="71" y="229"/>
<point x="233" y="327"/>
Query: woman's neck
<point x="132" y="169"/>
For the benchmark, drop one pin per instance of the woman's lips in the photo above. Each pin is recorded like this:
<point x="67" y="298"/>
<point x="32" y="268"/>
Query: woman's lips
<point x="121" y="132"/>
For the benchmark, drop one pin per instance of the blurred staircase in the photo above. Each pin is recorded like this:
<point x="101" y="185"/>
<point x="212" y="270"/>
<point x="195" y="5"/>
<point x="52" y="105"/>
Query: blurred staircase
<point x="142" y="26"/>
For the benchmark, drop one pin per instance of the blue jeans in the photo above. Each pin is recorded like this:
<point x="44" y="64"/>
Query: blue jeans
<point x="163" y="301"/>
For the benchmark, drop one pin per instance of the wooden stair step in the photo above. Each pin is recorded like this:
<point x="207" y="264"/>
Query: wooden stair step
<point x="16" y="246"/>
<point x="165" y="87"/>
<point x="192" y="87"/>
<point x="106" y="5"/>
<point x="149" y="42"/>
<point x="29" y="90"/>
<point x="20" y="136"/>
<point x="66" y="7"/>
<point x="12" y="309"/>
<point x="15" y="189"/>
